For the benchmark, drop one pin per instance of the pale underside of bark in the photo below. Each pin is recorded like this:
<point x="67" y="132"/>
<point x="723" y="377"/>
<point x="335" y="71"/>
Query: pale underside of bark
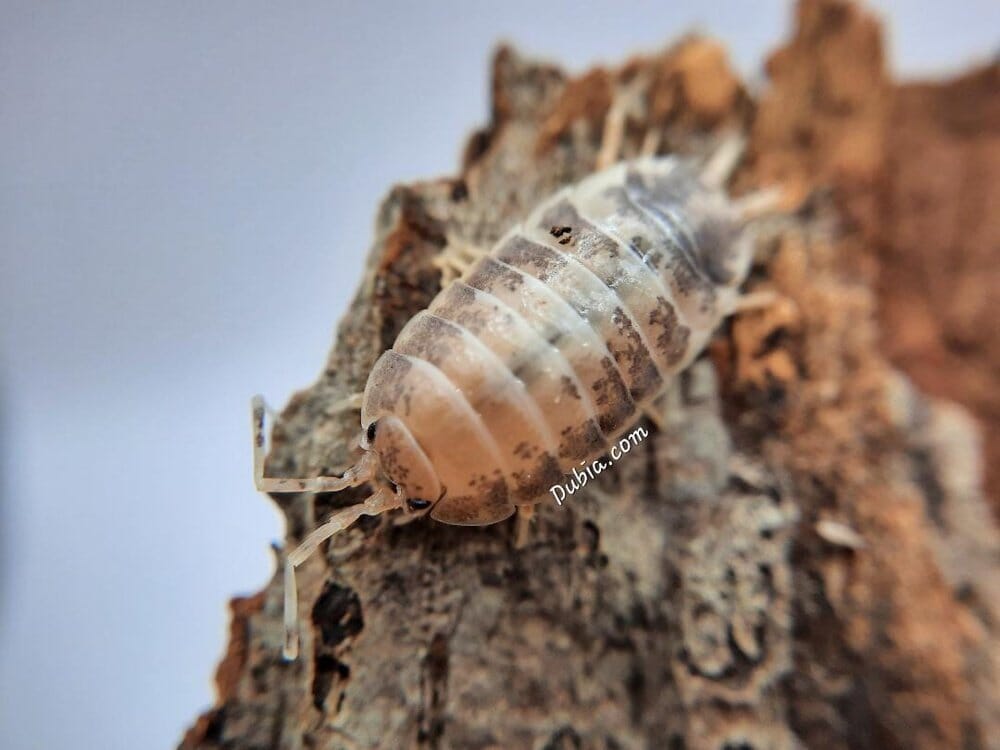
<point x="799" y="555"/>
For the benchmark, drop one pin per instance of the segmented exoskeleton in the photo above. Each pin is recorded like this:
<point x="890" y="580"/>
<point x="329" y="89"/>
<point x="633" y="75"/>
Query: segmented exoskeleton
<point x="545" y="351"/>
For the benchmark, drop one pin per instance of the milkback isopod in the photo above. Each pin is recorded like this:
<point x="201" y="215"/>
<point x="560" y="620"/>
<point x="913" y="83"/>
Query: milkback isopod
<point x="547" y="349"/>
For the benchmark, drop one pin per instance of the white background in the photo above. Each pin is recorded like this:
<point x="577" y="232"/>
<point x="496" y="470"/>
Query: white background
<point x="186" y="195"/>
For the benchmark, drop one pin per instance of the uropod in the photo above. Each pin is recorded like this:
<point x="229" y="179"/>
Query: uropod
<point x="545" y="350"/>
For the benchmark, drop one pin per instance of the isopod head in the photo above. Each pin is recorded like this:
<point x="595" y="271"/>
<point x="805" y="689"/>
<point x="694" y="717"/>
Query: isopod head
<point x="403" y="461"/>
<point x="718" y="228"/>
<point x="725" y="243"/>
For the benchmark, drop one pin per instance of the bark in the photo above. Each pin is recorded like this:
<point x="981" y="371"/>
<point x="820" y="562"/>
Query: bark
<point x="801" y="555"/>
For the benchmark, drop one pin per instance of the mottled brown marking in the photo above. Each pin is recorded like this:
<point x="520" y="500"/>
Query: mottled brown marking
<point x="490" y="273"/>
<point x="578" y="443"/>
<point x="632" y="356"/>
<point x="545" y="473"/>
<point x="387" y="383"/>
<point x="591" y="240"/>
<point x="524" y="450"/>
<point x="492" y="486"/>
<point x="463" y="308"/>
<point x="389" y="460"/>
<point x="489" y="503"/>
<point x="396" y="452"/>
<point x="612" y="398"/>
<point x="627" y="347"/>
<point x="526" y="364"/>
<point x="541" y="261"/>
<point x="569" y="387"/>
<point x="686" y="278"/>
<point x="672" y="339"/>
<point x="432" y="339"/>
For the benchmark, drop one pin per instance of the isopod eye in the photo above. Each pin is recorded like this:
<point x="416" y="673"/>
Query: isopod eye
<point x="371" y="432"/>
<point x="415" y="503"/>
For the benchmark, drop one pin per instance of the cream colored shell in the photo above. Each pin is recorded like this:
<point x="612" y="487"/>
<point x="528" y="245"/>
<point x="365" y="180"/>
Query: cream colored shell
<point x="547" y="349"/>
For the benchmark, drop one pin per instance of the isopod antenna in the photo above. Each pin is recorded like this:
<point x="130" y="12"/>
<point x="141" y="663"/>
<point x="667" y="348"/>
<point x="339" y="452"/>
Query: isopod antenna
<point x="384" y="499"/>
<point x="358" y="474"/>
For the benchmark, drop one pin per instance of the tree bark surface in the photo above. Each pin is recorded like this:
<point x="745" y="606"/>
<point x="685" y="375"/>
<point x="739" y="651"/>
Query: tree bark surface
<point x="800" y="555"/>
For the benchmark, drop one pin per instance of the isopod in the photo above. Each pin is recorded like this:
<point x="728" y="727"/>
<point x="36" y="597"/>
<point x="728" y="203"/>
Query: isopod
<point x="545" y="350"/>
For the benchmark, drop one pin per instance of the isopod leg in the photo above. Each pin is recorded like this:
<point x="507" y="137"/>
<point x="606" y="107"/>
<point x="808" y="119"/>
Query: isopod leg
<point x="760" y="204"/>
<point x="752" y="301"/>
<point x="457" y="257"/>
<point x="522" y="533"/>
<point x="356" y="475"/>
<point x="612" y="136"/>
<point x="626" y="101"/>
<point x="651" y="142"/>
<point x="723" y="161"/>
<point x="383" y="500"/>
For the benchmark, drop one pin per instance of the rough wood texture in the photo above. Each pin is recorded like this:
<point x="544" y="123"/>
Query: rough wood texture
<point x="802" y="555"/>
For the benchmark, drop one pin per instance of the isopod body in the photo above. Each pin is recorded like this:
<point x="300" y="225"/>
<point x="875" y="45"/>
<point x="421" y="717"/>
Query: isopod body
<point x="549" y="347"/>
<point x="543" y="352"/>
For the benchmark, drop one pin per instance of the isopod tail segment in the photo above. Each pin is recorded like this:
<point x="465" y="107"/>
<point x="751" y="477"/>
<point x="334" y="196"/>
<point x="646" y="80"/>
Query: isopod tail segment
<point x="384" y="499"/>
<point x="752" y="209"/>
